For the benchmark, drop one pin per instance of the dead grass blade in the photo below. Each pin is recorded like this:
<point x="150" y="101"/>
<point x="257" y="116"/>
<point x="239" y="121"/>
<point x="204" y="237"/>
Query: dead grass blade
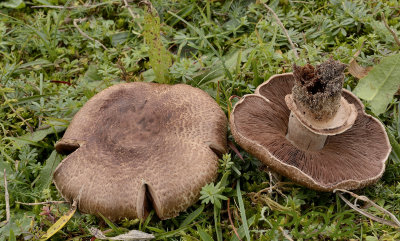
<point x="283" y="29"/>
<point x="394" y="223"/>
<point x="80" y="20"/>
<point x="390" y="30"/>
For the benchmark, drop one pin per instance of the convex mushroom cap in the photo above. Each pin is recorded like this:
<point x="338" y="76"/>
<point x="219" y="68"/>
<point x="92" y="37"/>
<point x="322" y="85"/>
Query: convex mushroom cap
<point x="139" y="146"/>
<point x="350" y="155"/>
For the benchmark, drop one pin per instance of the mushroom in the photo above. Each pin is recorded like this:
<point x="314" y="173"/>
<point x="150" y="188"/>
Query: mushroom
<point x="306" y="127"/>
<point x="138" y="146"/>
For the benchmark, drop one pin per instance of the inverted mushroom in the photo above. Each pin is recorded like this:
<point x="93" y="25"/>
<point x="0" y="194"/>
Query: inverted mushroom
<point x="141" y="146"/>
<point x="306" y="127"/>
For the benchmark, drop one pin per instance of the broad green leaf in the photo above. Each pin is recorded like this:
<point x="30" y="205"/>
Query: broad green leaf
<point x="371" y="238"/>
<point x="13" y="4"/>
<point x="20" y="223"/>
<point x="120" y="38"/>
<point x="35" y="137"/>
<point x="47" y="171"/>
<point x="44" y="2"/>
<point x="92" y="74"/>
<point x="149" y="76"/>
<point x="381" y="83"/>
<point x="160" y="58"/>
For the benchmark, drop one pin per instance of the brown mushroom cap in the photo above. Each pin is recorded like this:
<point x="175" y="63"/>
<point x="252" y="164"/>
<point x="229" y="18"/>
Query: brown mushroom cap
<point x="139" y="145"/>
<point x="350" y="160"/>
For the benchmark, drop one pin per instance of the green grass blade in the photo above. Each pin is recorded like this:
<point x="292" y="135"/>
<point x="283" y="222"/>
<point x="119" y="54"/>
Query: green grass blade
<point x="242" y="210"/>
<point x="12" y="236"/>
<point x="183" y="13"/>
<point x="217" y="221"/>
<point x="189" y="219"/>
<point x="172" y="232"/>
<point x="32" y="98"/>
<point x="395" y="145"/>
<point x="204" y="236"/>
<point x="146" y="222"/>
<point x="241" y="229"/>
<point x="111" y="224"/>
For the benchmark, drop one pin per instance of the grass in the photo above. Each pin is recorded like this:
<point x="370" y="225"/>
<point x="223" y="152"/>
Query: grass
<point x="49" y="69"/>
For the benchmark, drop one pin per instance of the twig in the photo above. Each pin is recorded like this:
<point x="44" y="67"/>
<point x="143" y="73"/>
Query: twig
<point x="390" y="30"/>
<point x="8" y="215"/>
<point x="134" y="16"/>
<point x="230" y="220"/>
<point x="80" y="20"/>
<point x="283" y="29"/>
<point x="56" y="7"/>
<point x="395" y="223"/>
<point x="41" y="203"/>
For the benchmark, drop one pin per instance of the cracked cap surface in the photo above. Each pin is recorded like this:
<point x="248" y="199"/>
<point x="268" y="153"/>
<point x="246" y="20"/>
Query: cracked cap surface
<point x="138" y="146"/>
<point x="350" y="160"/>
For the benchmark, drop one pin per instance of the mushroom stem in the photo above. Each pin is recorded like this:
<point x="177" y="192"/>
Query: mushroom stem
<point x="317" y="106"/>
<point x="301" y="137"/>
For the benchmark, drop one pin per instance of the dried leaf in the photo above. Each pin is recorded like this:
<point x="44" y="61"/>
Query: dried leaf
<point x="60" y="223"/>
<point x="357" y="70"/>
<point x="394" y="222"/>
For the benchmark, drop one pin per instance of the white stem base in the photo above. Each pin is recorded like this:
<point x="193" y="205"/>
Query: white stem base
<point x="301" y="137"/>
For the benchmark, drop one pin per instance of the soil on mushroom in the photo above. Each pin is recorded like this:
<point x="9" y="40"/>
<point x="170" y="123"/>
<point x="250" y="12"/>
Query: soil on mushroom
<point x="319" y="88"/>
